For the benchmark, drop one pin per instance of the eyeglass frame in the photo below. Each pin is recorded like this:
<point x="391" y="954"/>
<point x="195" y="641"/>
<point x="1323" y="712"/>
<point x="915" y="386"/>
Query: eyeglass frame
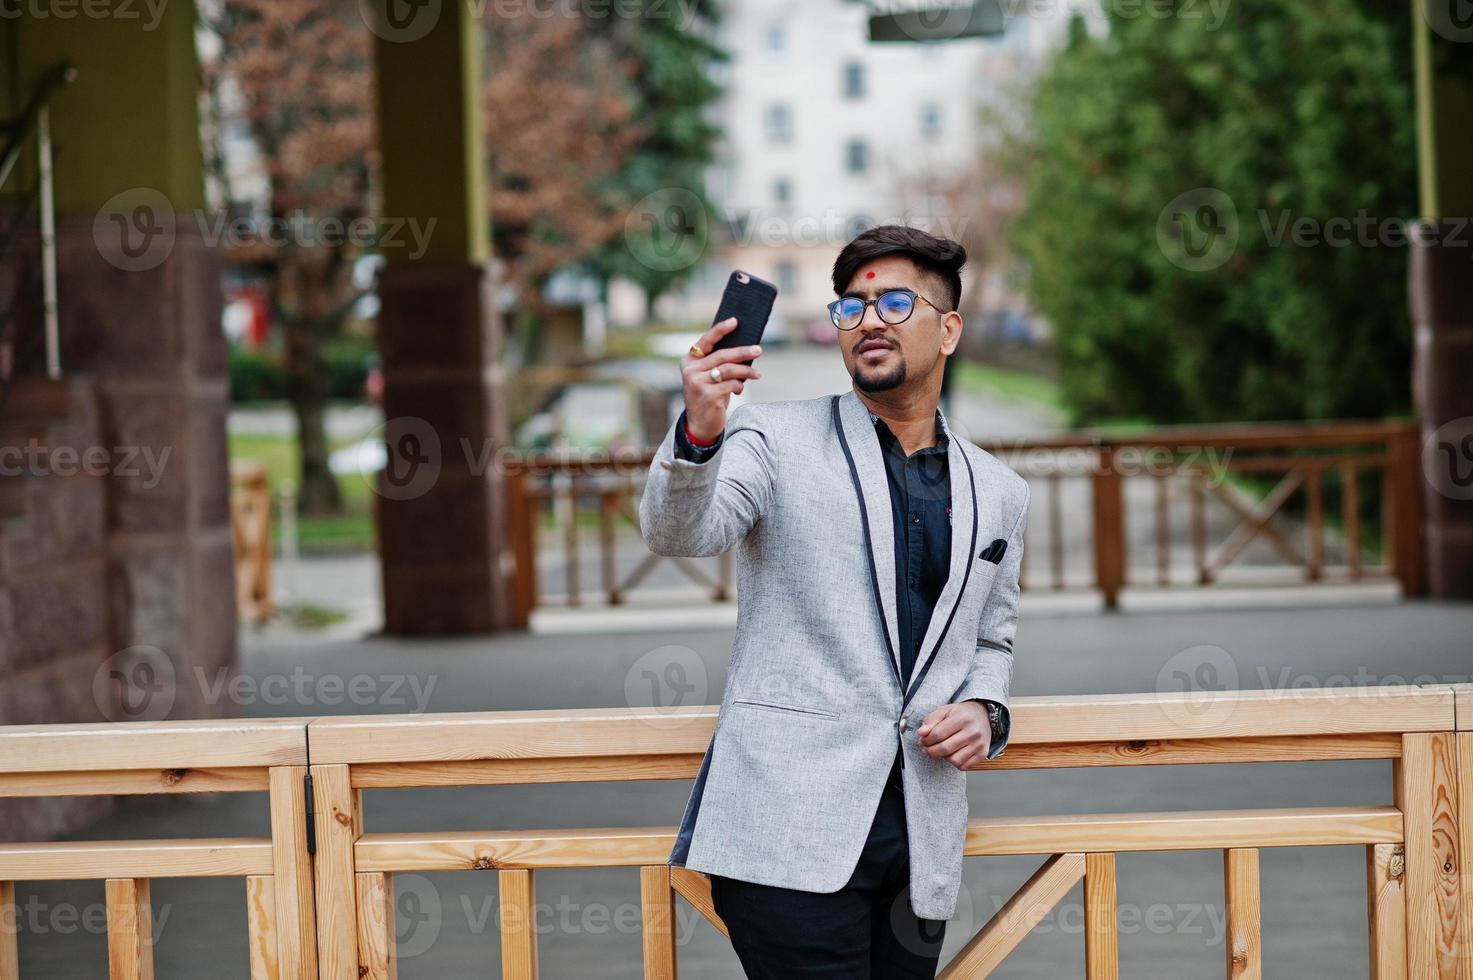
<point x="834" y="313"/>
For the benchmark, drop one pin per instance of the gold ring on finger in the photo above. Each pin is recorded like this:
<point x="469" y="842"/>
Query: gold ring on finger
<point x="696" y="352"/>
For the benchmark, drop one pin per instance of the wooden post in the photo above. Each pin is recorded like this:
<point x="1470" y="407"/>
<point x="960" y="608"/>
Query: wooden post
<point x="1101" y="918"/>
<point x="296" y="932"/>
<point x="1109" y="521"/>
<point x="376" y="954"/>
<point x="1244" y="919"/>
<point x="9" y="953"/>
<point x="338" y="826"/>
<point x="657" y="900"/>
<point x="521" y="529"/>
<point x="518" y="925"/>
<point x="261" y="927"/>
<point x="1386" y="911"/>
<point x="129" y="929"/>
<point x="1426" y="796"/>
<point x="1465" y="841"/>
<point x="1402" y="491"/>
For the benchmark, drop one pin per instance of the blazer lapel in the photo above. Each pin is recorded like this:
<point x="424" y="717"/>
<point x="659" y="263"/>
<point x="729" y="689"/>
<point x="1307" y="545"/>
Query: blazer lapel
<point x="867" y="470"/>
<point x="964" y="522"/>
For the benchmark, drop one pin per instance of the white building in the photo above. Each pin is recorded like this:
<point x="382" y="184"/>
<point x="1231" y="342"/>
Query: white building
<point x="827" y="133"/>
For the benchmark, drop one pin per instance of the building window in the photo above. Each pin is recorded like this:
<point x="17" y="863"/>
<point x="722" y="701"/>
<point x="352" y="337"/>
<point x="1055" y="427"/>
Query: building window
<point x="778" y="121"/>
<point x="856" y="157"/>
<point x="787" y="277"/>
<point x="853" y="80"/>
<point x="782" y="191"/>
<point x="930" y="120"/>
<point x="775" y="39"/>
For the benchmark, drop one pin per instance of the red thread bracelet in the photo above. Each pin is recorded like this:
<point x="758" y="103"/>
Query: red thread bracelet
<point x="696" y="442"/>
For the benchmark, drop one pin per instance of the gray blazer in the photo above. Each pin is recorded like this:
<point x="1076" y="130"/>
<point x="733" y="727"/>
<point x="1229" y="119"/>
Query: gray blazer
<point x="805" y="736"/>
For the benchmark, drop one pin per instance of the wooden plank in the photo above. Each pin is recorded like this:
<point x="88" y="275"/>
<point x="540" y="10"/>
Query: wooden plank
<point x="1426" y="794"/>
<point x="622" y="847"/>
<point x="334" y="873"/>
<point x="498" y="772"/>
<point x="9" y="951"/>
<point x="468" y="736"/>
<point x="1465" y="853"/>
<point x="575" y="734"/>
<point x="1005" y="930"/>
<point x="1101" y="918"/>
<point x="1244" y="918"/>
<point x="518" y="925"/>
<point x="261" y="927"/>
<point x="377" y="956"/>
<point x="1196" y="751"/>
<point x="213" y="857"/>
<point x="139" y="782"/>
<point x="1184" y="830"/>
<point x="1386" y="911"/>
<point x="291" y="866"/>
<point x="209" y="744"/>
<point x="129" y="929"/>
<point x="695" y="888"/>
<point x="657" y="904"/>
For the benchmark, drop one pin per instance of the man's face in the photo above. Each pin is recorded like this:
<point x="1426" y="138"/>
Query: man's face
<point x="882" y="356"/>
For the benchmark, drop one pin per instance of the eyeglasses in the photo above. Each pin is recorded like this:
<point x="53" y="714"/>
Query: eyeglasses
<point x="893" y="306"/>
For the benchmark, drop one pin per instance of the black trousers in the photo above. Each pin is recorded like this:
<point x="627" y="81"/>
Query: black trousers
<point x="864" y="931"/>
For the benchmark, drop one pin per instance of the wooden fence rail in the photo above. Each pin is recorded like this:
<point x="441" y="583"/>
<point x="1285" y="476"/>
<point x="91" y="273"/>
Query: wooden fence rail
<point x="330" y="912"/>
<point x="1187" y="467"/>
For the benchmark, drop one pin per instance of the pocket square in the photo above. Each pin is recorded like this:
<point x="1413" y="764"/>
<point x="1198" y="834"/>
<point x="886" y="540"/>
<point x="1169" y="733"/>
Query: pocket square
<point x="994" y="551"/>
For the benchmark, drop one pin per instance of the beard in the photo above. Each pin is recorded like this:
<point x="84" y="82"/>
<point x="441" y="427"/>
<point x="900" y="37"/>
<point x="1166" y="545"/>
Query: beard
<point x="886" y="381"/>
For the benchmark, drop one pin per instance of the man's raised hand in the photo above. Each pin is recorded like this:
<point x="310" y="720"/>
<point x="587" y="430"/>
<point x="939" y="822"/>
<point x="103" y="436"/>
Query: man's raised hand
<point x="707" y="395"/>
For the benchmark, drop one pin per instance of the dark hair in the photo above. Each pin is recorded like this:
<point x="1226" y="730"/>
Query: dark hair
<point x="940" y="257"/>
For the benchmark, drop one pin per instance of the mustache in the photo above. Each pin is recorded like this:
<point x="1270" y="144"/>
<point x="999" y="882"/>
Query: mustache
<point x="878" y="337"/>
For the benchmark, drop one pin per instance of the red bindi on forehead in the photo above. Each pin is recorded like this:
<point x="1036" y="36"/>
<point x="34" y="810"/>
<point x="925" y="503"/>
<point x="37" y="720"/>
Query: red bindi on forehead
<point x="869" y="275"/>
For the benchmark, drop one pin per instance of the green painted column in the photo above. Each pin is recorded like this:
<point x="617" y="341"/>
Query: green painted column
<point x="1441" y="288"/>
<point x="441" y="516"/>
<point x="131" y="117"/>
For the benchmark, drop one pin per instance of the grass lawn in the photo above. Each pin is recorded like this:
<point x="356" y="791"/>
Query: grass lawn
<point x="1011" y="385"/>
<point x="351" y="530"/>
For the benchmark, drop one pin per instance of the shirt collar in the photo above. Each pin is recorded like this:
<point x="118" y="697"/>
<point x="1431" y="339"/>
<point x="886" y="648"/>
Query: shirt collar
<point x="883" y="431"/>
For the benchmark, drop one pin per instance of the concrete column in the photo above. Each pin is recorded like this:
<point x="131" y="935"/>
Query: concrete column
<point x="140" y="310"/>
<point x="440" y="511"/>
<point x="1441" y="290"/>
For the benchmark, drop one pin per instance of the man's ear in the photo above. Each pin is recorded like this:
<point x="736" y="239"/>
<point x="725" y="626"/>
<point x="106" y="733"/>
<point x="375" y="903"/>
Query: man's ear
<point x="951" y="325"/>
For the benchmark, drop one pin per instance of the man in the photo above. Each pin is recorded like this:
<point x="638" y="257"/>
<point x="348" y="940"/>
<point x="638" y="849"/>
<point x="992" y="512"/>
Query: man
<point x="877" y="581"/>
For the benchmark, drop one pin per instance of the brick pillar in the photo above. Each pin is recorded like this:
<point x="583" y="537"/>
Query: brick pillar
<point x="440" y="510"/>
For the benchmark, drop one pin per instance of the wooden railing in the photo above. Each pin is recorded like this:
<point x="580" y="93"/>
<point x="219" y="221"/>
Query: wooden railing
<point x="1188" y="467"/>
<point x="152" y="758"/>
<point x="1419" y="901"/>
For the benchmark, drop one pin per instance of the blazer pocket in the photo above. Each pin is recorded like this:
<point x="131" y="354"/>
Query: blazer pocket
<point x="787" y="709"/>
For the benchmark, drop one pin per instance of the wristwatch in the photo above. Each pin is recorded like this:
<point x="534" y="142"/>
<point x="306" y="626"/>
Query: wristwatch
<point x="994" y="715"/>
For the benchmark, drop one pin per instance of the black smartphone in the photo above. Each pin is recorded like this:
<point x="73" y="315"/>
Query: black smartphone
<point x="750" y="300"/>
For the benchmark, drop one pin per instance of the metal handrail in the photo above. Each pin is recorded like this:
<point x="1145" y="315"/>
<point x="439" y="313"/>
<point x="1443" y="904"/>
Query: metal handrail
<point x="36" y="117"/>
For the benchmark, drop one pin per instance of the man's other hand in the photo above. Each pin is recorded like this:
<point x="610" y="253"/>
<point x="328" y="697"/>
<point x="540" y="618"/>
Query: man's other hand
<point x="959" y="733"/>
